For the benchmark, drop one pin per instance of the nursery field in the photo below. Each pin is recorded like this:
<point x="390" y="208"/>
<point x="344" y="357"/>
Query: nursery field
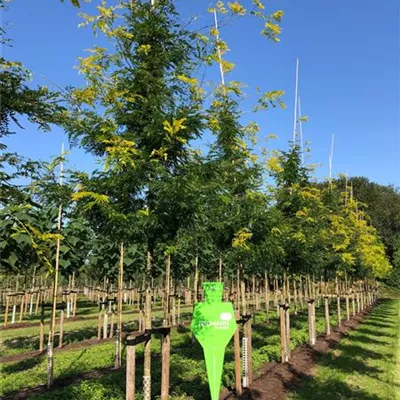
<point x="177" y="248"/>
<point x="363" y="362"/>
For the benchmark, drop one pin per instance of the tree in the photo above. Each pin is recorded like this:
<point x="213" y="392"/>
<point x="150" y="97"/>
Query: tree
<point x="380" y="206"/>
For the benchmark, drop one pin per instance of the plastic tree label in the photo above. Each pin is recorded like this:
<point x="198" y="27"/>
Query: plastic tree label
<point x="213" y="325"/>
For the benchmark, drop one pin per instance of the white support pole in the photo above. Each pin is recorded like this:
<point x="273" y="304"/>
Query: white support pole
<point x="295" y="103"/>
<point x="221" y="69"/>
<point x="301" y="133"/>
<point x="331" y="160"/>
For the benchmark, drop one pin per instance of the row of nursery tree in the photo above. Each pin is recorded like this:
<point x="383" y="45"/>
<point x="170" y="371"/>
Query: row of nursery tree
<point x="160" y="205"/>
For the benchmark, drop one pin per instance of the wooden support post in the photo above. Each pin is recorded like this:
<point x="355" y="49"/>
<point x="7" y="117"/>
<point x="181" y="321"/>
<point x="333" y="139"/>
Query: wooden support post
<point x="147" y="350"/>
<point x="105" y="325"/>
<point x="130" y="371"/>
<point x="339" y="311"/>
<point x="284" y="355"/>
<point x="347" y="307"/>
<point x="60" y="341"/>
<point x="353" y="303"/>
<point x="141" y="321"/>
<point x="196" y="279"/>
<point x="111" y="334"/>
<point x="13" y="312"/>
<point x="266" y="294"/>
<point x="248" y="327"/>
<point x="68" y="305"/>
<point x="74" y="308"/>
<point x="301" y="293"/>
<point x="362" y="300"/>
<point x="117" y="355"/>
<point x="38" y="295"/>
<point x="311" y="321"/>
<point x="41" y="329"/>
<point x="165" y="365"/>
<point x="6" y="310"/>
<point x="21" y="308"/>
<point x="167" y="290"/>
<point x="287" y="328"/>
<point x="179" y="310"/>
<point x="31" y="303"/>
<point x="99" y="326"/>
<point x="327" y="323"/>
<point x="236" y="346"/>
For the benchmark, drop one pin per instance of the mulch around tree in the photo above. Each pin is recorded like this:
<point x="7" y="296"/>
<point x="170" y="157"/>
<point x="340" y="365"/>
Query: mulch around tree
<point x="275" y="380"/>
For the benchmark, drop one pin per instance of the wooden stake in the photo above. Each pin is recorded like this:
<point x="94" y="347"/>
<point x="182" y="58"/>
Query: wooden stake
<point x="283" y="333"/>
<point x="61" y="336"/>
<point x="327" y="323"/>
<point x="120" y="289"/>
<point x="248" y="330"/>
<point x="130" y="372"/>
<point x="99" y="326"/>
<point x="220" y="268"/>
<point x="311" y="324"/>
<point x="167" y="290"/>
<point x="196" y="279"/>
<point x="21" y="308"/>
<point x="147" y="344"/>
<point x="165" y="365"/>
<point x="236" y="348"/>
<point x="41" y="329"/>
<point x="6" y="311"/>
<point x="287" y="329"/>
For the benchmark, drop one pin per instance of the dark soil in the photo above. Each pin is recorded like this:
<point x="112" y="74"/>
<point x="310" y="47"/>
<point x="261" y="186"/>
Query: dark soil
<point x="71" y="346"/>
<point x="274" y="380"/>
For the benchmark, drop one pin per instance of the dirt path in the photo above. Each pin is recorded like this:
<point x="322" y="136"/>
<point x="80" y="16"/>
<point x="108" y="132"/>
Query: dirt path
<point x="274" y="380"/>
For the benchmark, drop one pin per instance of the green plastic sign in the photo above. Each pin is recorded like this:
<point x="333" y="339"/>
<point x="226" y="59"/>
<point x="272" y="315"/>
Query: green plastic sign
<point x="213" y="325"/>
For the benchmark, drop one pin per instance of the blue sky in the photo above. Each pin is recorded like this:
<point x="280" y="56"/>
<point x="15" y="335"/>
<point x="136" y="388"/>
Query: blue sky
<point x="349" y="55"/>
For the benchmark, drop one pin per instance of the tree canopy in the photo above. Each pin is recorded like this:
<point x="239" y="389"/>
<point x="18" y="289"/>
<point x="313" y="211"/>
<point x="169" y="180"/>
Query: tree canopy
<point x="142" y="110"/>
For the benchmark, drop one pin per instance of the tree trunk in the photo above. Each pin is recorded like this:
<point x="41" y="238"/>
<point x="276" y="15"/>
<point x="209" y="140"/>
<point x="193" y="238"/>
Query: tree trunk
<point x="167" y="289"/>
<point x="220" y="268"/>
<point x="120" y="289"/>
<point x="147" y="344"/>
<point x="196" y="279"/>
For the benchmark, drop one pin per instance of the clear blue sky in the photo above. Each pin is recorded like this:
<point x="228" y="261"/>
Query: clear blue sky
<point x="349" y="75"/>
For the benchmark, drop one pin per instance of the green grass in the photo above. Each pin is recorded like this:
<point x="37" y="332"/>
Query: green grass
<point x="23" y="340"/>
<point x="188" y="378"/>
<point x="365" y="365"/>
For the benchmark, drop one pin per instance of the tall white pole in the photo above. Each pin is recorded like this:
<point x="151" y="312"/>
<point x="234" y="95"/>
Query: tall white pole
<point x="301" y="133"/>
<point x="221" y="69"/>
<point x="295" y="103"/>
<point x="331" y="160"/>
